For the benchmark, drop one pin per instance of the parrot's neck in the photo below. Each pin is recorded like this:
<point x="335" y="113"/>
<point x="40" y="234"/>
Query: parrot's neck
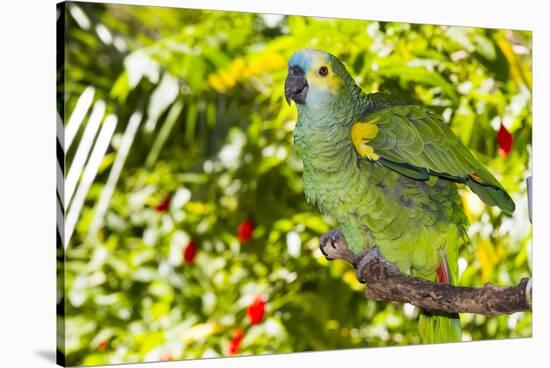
<point x="323" y="132"/>
<point x="330" y="163"/>
<point x="324" y="146"/>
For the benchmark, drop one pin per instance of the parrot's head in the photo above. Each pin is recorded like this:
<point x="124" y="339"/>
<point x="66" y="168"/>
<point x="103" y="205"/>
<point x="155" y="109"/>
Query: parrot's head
<point x="317" y="81"/>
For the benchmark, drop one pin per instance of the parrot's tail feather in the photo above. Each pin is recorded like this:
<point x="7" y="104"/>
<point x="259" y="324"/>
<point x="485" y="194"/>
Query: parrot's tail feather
<point x="440" y="327"/>
<point x="435" y="327"/>
<point x="443" y="273"/>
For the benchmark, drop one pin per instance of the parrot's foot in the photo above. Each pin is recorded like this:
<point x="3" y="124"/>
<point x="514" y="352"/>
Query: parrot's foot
<point x="334" y="246"/>
<point x="372" y="255"/>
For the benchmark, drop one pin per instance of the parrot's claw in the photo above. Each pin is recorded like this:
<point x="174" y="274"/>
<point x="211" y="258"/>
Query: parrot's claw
<point x="370" y="255"/>
<point x="334" y="246"/>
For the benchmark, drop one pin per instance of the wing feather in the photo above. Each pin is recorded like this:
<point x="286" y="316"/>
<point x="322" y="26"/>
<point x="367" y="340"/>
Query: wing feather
<point x="411" y="137"/>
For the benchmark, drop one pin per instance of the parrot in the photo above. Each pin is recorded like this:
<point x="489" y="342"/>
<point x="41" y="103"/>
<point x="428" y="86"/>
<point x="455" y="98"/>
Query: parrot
<point x="388" y="172"/>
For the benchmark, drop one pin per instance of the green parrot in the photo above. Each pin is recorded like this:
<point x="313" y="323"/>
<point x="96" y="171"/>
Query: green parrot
<point x="386" y="170"/>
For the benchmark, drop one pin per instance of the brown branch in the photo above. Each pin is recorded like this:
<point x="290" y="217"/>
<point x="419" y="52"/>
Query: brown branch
<point x="384" y="282"/>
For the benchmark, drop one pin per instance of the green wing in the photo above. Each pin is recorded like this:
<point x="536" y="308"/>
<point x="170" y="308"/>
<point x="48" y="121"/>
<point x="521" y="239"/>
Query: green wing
<point x="416" y="142"/>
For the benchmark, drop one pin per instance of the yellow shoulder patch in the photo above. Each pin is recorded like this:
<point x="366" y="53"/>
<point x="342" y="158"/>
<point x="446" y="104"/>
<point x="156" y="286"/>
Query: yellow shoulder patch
<point x="361" y="134"/>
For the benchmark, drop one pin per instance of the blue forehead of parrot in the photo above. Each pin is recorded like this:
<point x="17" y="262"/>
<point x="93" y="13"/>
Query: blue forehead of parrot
<point x="306" y="57"/>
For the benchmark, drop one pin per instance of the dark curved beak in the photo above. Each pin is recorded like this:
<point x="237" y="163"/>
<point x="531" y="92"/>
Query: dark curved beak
<point x="296" y="85"/>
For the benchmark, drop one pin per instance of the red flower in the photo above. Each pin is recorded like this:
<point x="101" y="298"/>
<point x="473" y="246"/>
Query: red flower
<point x="245" y="230"/>
<point x="256" y="310"/>
<point x="505" y="140"/>
<point x="190" y="252"/>
<point x="235" y="341"/>
<point x="164" y="204"/>
<point x="165" y="356"/>
<point x="102" y="345"/>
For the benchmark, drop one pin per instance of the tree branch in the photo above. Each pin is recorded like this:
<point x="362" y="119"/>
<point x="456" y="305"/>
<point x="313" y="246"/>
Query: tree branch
<point x="384" y="282"/>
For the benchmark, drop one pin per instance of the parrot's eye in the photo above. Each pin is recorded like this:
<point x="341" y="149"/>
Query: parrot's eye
<point x="323" y="71"/>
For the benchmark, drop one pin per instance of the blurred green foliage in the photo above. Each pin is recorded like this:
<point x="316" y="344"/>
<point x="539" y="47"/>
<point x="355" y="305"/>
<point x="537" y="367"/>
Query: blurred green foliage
<point x="215" y="149"/>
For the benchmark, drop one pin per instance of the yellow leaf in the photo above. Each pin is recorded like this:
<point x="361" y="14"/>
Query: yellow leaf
<point x="518" y="70"/>
<point x="159" y="310"/>
<point x="197" y="208"/>
<point x="487" y="257"/>
<point x="216" y="82"/>
<point x="350" y="278"/>
<point x="198" y="332"/>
